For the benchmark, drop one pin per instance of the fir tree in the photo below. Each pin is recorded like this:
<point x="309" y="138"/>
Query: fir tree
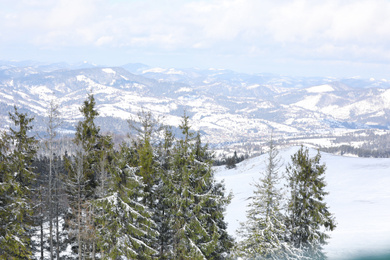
<point x="162" y="213"/>
<point x="146" y="128"/>
<point x="84" y="177"/>
<point x="125" y="228"/>
<point x="308" y="214"/>
<point x="263" y="234"/>
<point x="6" y="230"/>
<point x="197" y="208"/>
<point x="17" y="154"/>
<point x="88" y="138"/>
<point x="219" y="243"/>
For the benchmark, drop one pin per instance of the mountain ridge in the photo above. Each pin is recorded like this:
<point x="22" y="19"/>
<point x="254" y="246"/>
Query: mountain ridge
<point x="225" y="105"/>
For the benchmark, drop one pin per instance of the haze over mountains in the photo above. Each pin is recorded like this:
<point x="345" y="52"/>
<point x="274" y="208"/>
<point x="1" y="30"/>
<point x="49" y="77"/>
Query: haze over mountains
<point x="224" y="105"/>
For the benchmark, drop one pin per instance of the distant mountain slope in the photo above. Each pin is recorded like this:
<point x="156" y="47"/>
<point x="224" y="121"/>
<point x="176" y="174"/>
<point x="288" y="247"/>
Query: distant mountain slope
<point x="226" y="106"/>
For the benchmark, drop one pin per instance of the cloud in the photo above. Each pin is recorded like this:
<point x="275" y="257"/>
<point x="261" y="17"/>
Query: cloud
<point x="352" y="28"/>
<point x="298" y="29"/>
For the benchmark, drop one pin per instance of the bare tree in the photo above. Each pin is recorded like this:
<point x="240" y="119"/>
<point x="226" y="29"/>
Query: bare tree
<point x="76" y="184"/>
<point x="53" y="123"/>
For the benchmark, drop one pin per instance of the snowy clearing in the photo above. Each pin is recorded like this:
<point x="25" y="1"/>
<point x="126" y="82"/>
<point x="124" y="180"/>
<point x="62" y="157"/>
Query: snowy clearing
<point x="359" y="197"/>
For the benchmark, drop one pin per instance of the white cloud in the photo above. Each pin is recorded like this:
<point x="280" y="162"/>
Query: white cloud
<point x="298" y="29"/>
<point x="69" y="14"/>
<point x="249" y="20"/>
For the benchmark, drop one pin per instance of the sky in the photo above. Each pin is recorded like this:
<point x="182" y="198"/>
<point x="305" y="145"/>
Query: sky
<point x="290" y="37"/>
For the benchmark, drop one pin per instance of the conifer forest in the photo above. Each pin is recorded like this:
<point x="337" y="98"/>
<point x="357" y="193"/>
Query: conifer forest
<point x="152" y="196"/>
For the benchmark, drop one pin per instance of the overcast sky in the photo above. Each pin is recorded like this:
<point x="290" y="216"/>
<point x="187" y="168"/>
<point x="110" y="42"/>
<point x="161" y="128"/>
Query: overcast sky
<point x="291" y="37"/>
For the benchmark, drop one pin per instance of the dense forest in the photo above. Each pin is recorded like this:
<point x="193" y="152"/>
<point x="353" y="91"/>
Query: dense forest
<point x="152" y="197"/>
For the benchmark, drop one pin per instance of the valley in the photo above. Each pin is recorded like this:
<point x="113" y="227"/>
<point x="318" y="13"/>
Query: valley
<point x="233" y="111"/>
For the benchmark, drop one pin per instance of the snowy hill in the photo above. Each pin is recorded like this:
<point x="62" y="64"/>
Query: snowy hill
<point x="359" y="197"/>
<point x="224" y="105"/>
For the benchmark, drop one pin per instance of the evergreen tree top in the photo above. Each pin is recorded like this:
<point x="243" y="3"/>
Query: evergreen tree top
<point x="23" y="126"/>
<point x="87" y="132"/>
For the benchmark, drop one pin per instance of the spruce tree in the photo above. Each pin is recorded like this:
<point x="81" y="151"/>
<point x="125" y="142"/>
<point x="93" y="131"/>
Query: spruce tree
<point x="83" y="172"/>
<point x="162" y="213"/>
<point x="263" y="234"/>
<point x="126" y="197"/>
<point x="18" y="150"/>
<point x="88" y="138"/>
<point x="146" y="129"/>
<point x="197" y="204"/>
<point x="308" y="214"/>
<point x="219" y="243"/>
<point x="186" y="227"/>
<point x="6" y="230"/>
<point x="125" y="226"/>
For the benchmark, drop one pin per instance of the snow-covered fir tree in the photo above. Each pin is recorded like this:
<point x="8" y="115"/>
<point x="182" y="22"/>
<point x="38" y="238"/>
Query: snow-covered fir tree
<point x="308" y="214"/>
<point x="213" y="208"/>
<point x="195" y="205"/>
<point x="125" y="226"/>
<point x="17" y="151"/>
<point x="162" y="213"/>
<point x="147" y="129"/>
<point x="84" y="173"/>
<point x="263" y="234"/>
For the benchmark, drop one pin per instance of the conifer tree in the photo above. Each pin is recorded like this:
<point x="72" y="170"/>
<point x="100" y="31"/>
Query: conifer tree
<point x="104" y="166"/>
<point x="17" y="153"/>
<point x="195" y="203"/>
<point x="125" y="226"/>
<point x="145" y="147"/>
<point x="263" y="234"/>
<point x="5" y="229"/>
<point x="83" y="173"/>
<point x="184" y="221"/>
<point x="162" y="213"/>
<point x="88" y="137"/>
<point x="308" y="214"/>
<point x="153" y="165"/>
<point x="219" y="243"/>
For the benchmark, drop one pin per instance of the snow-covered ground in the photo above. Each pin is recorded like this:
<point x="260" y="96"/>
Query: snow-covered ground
<point x="359" y="197"/>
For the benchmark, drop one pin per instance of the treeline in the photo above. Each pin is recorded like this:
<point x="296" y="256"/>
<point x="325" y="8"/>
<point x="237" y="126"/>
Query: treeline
<point x="360" y="152"/>
<point x="154" y="197"/>
<point x="230" y="161"/>
<point x="371" y="144"/>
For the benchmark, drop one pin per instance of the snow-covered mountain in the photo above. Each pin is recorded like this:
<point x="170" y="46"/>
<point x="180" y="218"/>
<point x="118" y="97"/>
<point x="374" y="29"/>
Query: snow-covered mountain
<point x="358" y="197"/>
<point x="224" y="105"/>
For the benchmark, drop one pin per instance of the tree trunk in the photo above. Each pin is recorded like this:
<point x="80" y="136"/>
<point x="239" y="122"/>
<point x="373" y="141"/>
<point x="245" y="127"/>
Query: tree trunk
<point x="50" y="201"/>
<point x="79" y="223"/>
<point x="57" y="223"/>
<point x="41" y="226"/>
<point x="93" y="250"/>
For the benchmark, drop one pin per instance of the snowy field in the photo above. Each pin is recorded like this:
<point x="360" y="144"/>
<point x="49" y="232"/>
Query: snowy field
<point x="359" y="197"/>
